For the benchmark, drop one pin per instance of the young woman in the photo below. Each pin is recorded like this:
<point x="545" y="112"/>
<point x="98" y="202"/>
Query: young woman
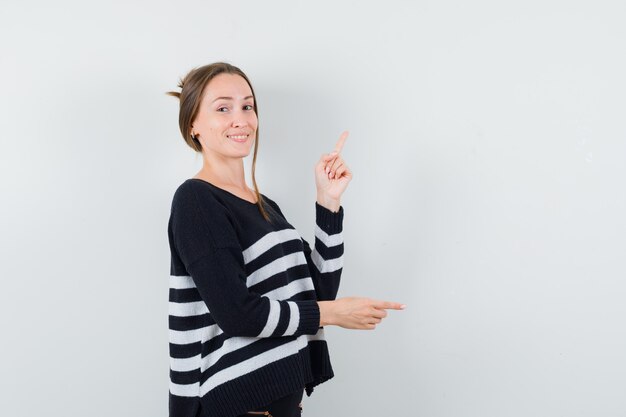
<point x="249" y="298"/>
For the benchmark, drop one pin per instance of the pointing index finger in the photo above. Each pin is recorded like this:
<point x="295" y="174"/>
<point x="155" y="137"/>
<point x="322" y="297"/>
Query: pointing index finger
<point x="389" y="305"/>
<point x="341" y="141"/>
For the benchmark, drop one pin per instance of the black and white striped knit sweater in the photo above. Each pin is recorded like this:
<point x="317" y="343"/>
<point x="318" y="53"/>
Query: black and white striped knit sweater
<point x="243" y="313"/>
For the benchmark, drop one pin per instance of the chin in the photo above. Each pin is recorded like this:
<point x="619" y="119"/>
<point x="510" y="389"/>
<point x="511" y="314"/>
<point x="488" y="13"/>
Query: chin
<point x="243" y="154"/>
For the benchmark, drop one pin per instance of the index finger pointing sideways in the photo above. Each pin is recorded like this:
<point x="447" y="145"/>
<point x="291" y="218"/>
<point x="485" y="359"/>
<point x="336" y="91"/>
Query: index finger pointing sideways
<point x="389" y="305"/>
<point x="341" y="141"/>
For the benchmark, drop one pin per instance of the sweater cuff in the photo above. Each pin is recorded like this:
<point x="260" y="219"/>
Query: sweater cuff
<point x="309" y="316"/>
<point x="327" y="220"/>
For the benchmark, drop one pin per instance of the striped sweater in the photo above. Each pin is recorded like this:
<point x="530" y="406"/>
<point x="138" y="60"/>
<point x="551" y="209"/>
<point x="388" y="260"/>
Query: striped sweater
<point x="243" y="314"/>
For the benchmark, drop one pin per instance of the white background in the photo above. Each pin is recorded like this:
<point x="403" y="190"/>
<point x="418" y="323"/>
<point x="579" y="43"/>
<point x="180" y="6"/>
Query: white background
<point x="488" y="147"/>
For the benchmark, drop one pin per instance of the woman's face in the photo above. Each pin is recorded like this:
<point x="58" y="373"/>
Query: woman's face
<point x="226" y="122"/>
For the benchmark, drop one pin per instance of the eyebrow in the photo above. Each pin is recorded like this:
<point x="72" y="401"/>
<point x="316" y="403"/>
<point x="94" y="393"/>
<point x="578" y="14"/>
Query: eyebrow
<point x="229" y="98"/>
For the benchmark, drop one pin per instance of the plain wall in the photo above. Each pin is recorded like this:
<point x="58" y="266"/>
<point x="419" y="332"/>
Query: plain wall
<point x="488" y="147"/>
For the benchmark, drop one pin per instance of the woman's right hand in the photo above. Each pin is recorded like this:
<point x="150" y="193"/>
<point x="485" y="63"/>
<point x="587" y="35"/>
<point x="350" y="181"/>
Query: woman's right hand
<point x="355" y="312"/>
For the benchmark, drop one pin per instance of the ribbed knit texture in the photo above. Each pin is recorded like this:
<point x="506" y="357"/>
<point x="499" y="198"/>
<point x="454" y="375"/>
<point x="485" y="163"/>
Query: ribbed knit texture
<point x="243" y="312"/>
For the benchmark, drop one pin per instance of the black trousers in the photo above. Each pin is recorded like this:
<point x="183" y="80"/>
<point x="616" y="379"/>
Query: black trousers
<point x="288" y="406"/>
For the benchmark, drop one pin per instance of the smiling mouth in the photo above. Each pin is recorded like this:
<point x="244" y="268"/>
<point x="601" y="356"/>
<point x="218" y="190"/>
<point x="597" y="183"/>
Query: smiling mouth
<point x="238" y="138"/>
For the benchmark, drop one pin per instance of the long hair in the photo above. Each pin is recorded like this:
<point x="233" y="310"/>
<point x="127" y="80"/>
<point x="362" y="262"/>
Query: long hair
<point x="192" y="88"/>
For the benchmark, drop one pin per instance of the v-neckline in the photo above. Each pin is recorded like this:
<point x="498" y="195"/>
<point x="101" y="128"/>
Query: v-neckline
<point x="226" y="191"/>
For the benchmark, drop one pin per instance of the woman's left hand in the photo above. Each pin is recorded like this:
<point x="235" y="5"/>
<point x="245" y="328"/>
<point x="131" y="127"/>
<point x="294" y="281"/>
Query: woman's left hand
<point x="332" y="175"/>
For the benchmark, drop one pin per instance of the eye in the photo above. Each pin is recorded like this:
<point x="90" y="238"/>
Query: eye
<point x="220" y="109"/>
<point x="248" y="107"/>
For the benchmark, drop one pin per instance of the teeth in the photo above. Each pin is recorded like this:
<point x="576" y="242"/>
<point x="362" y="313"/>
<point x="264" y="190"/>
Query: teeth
<point x="239" y="137"/>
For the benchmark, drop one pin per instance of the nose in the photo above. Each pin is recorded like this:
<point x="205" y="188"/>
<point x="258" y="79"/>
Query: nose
<point x="238" y="122"/>
<point x="241" y="119"/>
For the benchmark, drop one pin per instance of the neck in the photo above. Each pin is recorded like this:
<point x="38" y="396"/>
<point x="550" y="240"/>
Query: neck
<point x="223" y="171"/>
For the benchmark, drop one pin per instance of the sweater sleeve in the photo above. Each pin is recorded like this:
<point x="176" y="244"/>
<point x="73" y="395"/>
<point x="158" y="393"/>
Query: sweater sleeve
<point x="325" y="260"/>
<point x="205" y="240"/>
